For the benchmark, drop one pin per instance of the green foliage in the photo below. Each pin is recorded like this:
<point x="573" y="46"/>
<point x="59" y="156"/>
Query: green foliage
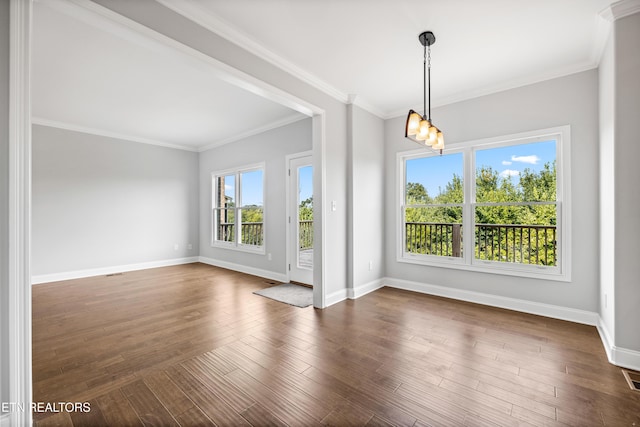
<point x="252" y="213"/>
<point x="305" y="209"/>
<point x="445" y="208"/>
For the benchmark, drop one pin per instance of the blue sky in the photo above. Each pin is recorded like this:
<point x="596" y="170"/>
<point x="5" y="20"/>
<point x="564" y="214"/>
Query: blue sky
<point x="252" y="186"/>
<point x="435" y="172"/>
<point x="306" y="182"/>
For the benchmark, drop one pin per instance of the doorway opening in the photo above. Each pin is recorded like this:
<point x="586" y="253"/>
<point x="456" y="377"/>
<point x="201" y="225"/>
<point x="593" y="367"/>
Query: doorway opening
<point x="300" y="219"/>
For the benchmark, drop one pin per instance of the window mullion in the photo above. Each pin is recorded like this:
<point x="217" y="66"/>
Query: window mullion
<point x="238" y="219"/>
<point x="469" y="200"/>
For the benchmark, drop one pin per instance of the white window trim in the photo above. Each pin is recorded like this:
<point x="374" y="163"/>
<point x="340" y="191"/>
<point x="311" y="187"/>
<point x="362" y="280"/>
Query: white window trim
<point x="561" y="272"/>
<point x="236" y="245"/>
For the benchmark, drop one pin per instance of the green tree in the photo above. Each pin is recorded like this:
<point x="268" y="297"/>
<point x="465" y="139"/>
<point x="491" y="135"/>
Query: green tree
<point x="305" y="209"/>
<point x="417" y="194"/>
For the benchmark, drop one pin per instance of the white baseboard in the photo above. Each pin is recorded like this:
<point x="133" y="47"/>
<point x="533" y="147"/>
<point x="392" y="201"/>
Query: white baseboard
<point x="618" y="356"/>
<point x="357" y="292"/>
<point x="541" y="309"/>
<point x="335" y="297"/>
<point x="353" y="293"/>
<point x="272" y="275"/>
<point x="69" y="275"/>
<point x="625" y="358"/>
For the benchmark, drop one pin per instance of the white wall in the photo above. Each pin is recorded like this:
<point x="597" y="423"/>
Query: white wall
<point x="366" y="200"/>
<point x="4" y="197"/>
<point x="101" y="202"/>
<point x="270" y="147"/>
<point x="571" y="100"/>
<point x="627" y="176"/>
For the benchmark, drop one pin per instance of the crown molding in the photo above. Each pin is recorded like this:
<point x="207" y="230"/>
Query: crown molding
<point x="620" y="9"/>
<point x="273" y="125"/>
<point x="123" y="137"/>
<point x="501" y="87"/>
<point x="101" y="132"/>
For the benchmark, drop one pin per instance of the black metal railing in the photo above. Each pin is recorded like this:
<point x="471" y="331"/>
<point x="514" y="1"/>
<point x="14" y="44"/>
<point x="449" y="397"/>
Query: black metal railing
<point x="524" y="244"/>
<point x="251" y="233"/>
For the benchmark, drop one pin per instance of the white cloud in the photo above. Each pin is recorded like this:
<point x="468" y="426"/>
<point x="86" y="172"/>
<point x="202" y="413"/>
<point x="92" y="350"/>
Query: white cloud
<point x="532" y="160"/>
<point x="508" y="173"/>
<point x="506" y="162"/>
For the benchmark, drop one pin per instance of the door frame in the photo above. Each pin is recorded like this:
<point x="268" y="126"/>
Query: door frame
<point x="290" y="250"/>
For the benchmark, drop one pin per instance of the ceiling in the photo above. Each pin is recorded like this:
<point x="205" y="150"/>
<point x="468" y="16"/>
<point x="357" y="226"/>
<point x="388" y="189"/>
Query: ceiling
<point x="92" y="78"/>
<point x="97" y="76"/>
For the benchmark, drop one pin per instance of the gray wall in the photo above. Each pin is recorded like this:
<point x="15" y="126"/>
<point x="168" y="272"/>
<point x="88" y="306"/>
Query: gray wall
<point x="366" y="198"/>
<point x="4" y="197"/>
<point x="102" y="202"/>
<point x="571" y="100"/>
<point x="269" y="147"/>
<point x="627" y="176"/>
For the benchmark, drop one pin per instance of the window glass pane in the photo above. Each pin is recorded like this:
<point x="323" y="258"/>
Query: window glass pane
<point x="251" y="231"/>
<point x="434" y="180"/>
<point x="517" y="234"/>
<point x="305" y="213"/>
<point x="516" y="173"/>
<point x="225" y="221"/>
<point x="434" y="231"/>
<point x="226" y="187"/>
<point x="251" y="188"/>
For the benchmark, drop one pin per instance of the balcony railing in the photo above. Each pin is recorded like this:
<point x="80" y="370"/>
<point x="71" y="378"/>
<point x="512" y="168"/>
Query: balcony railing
<point x="524" y="244"/>
<point x="305" y="234"/>
<point x="251" y="233"/>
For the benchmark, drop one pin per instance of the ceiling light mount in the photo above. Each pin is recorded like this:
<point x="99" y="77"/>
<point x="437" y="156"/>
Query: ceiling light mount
<point x="427" y="38"/>
<point x="420" y="128"/>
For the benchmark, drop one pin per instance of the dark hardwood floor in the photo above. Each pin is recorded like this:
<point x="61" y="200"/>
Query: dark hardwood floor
<point x="191" y="345"/>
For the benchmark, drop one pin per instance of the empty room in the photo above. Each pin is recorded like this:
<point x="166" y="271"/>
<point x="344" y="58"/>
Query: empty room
<point x="416" y="213"/>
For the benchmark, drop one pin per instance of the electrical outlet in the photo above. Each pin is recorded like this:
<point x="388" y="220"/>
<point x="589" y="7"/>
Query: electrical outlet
<point x="189" y="246"/>
<point x="370" y="265"/>
<point x="269" y="256"/>
<point x="175" y="247"/>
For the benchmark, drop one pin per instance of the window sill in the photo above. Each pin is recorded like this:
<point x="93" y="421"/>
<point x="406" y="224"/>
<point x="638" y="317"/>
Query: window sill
<point x="478" y="266"/>
<point x="260" y="250"/>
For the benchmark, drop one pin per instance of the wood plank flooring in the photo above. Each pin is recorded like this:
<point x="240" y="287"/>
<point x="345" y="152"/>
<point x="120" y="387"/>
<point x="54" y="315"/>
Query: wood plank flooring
<point x="191" y="345"/>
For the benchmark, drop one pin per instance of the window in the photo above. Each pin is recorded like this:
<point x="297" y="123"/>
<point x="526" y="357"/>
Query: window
<point x="238" y="209"/>
<point x="433" y="207"/>
<point x="494" y="205"/>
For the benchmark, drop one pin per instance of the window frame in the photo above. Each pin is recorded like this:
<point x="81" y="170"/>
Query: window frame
<point x="237" y="244"/>
<point x="468" y="262"/>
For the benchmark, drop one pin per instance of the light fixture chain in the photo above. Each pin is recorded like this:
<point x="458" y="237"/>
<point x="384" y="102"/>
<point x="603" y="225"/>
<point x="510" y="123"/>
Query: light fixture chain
<point x="424" y="78"/>
<point x="429" y="77"/>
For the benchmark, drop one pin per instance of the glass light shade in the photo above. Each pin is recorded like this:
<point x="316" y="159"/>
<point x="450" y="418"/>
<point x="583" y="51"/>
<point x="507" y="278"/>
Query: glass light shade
<point x="423" y="130"/>
<point x="439" y="145"/>
<point x="432" y="135"/>
<point x="413" y="123"/>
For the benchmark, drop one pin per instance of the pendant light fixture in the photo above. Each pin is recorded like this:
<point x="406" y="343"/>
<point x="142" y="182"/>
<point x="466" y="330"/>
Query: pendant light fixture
<point x="421" y="129"/>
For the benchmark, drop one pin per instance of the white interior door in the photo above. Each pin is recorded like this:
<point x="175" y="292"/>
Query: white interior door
<point x="301" y="220"/>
